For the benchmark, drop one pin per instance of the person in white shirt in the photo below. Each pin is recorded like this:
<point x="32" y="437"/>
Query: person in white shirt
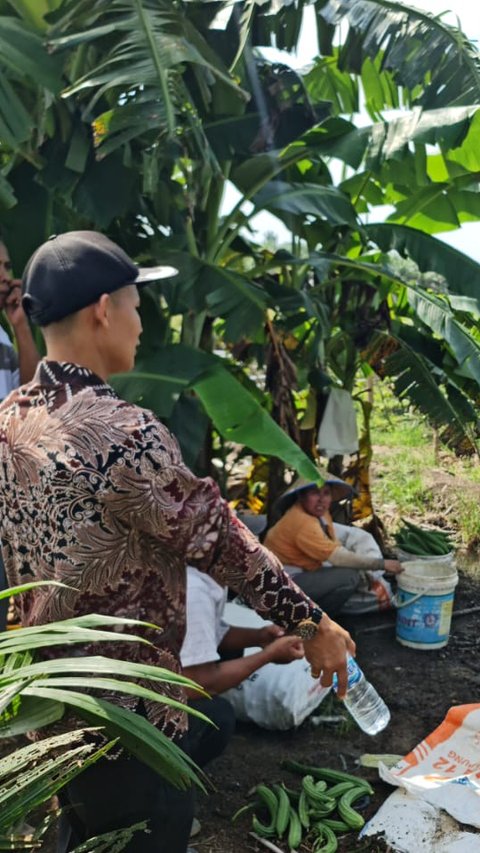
<point x="212" y="656"/>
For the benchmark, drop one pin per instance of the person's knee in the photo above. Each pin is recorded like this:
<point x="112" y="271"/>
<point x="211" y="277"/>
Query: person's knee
<point x="348" y="580"/>
<point x="209" y="741"/>
<point x="224" y="718"/>
<point x="354" y="580"/>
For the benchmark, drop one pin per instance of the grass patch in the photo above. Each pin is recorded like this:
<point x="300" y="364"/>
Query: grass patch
<point x="468" y="519"/>
<point x="403" y="434"/>
<point x="409" y="479"/>
<point x="398" y="478"/>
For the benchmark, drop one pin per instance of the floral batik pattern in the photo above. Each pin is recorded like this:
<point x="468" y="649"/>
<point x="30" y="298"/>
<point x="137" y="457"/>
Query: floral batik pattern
<point x="94" y="493"/>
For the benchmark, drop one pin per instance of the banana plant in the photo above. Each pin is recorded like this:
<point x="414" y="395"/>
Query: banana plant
<point x="151" y="110"/>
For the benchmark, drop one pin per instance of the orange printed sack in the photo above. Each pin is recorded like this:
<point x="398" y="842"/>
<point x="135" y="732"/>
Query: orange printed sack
<point x="444" y="769"/>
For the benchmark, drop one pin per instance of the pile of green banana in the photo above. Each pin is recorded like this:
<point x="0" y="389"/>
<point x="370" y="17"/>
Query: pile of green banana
<point x="420" y="542"/>
<point x="316" y="813"/>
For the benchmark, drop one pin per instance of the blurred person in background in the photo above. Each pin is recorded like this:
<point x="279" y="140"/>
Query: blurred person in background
<point x="17" y="363"/>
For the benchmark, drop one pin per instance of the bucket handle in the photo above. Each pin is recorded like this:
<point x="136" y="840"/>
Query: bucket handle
<point x="415" y="598"/>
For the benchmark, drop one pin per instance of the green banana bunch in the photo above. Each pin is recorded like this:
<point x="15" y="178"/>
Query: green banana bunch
<point x="422" y="542"/>
<point x="316" y="814"/>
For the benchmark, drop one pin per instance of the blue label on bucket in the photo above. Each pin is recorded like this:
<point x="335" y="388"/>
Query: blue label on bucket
<point x="427" y="620"/>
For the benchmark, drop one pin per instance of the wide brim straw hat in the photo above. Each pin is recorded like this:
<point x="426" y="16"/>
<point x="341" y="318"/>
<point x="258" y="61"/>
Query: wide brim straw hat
<point x="339" y="488"/>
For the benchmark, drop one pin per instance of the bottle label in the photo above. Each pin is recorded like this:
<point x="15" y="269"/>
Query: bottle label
<point x="354" y="673"/>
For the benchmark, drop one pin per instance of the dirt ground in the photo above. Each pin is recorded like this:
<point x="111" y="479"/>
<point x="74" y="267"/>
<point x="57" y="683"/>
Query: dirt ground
<point x="419" y="688"/>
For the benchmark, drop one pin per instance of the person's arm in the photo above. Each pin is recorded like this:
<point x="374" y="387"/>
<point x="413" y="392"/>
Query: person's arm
<point x="343" y="557"/>
<point x="157" y="493"/>
<point x="218" y="676"/>
<point x="237" y="638"/>
<point x="28" y="356"/>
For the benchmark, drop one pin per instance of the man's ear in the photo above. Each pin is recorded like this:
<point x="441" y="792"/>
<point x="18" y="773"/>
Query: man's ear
<point x="102" y="308"/>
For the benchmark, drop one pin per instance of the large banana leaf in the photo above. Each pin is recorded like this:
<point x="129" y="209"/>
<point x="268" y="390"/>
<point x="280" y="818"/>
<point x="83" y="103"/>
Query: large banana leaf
<point x="220" y="291"/>
<point x="428" y="389"/>
<point x="287" y="199"/>
<point x="239" y="301"/>
<point x="235" y="412"/>
<point x="436" y="207"/>
<point x="461" y="272"/>
<point x="433" y="61"/>
<point x="190" y="424"/>
<point x="325" y="81"/>
<point x="159" y="379"/>
<point x="385" y="140"/>
<point x="438" y="316"/>
<point x="432" y="310"/>
<point x="239" y="418"/>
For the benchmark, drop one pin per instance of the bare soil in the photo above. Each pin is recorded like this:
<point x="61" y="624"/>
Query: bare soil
<point x="419" y="688"/>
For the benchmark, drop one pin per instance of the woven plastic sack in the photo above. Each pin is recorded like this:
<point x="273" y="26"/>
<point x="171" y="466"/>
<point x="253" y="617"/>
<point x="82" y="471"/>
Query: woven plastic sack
<point x="444" y="769"/>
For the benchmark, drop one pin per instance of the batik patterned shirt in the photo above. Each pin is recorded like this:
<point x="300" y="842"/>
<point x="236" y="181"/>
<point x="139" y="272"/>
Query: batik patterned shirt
<point x="94" y="493"/>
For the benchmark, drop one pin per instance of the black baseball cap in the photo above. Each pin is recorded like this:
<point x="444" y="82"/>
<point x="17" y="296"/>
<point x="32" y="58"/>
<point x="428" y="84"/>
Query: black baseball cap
<point x="72" y="270"/>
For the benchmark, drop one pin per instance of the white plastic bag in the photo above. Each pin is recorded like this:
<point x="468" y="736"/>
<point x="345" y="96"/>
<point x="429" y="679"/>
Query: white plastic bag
<point x="276" y="696"/>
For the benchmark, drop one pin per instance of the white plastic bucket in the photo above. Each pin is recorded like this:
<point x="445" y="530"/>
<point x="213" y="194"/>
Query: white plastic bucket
<point x="404" y="557"/>
<point x="424" y="603"/>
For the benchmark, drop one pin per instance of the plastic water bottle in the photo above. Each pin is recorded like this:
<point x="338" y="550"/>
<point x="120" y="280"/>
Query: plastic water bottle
<point x="363" y="702"/>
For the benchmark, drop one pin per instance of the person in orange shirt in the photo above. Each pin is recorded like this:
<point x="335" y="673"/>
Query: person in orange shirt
<point x="304" y="539"/>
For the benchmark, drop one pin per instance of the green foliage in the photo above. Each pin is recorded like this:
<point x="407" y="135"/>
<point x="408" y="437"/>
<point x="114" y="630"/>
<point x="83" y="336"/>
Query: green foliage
<point x="131" y="118"/>
<point x="401" y="483"/>
<point x="35" y="693"/>
<point x="468" y="519"/>
<point x="411" y="479"/>
<point x="403" y="445"/>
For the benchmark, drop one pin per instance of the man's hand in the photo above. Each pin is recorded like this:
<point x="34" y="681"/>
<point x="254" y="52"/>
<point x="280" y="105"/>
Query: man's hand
<point x="285" y="649"/>
<point x="327" y="653"/>
<point x="268" y="635"/>
<point x="392" y="567"/>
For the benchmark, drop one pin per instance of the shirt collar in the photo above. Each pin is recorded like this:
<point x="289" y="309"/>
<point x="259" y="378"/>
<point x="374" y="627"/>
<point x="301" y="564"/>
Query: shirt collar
<point x="59" y="373"/>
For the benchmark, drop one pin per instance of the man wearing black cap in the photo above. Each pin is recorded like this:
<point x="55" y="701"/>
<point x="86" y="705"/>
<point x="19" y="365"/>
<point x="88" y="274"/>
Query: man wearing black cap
<point x="95" y="494"/>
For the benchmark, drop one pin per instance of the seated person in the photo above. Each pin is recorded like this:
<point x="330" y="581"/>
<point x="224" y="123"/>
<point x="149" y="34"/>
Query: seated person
<point x="207" y="638"/>
<point x="337" y="576"/>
